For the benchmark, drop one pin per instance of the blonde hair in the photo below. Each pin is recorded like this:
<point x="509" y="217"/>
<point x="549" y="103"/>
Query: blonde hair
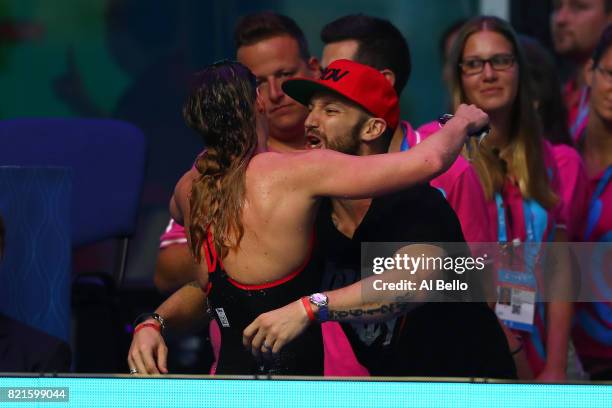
<point x="525" y="148"/>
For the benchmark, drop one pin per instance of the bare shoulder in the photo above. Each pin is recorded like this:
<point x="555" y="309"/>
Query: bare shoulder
<point x="179" y="203"/>
<point x="305" y="171"/>
<point x="183" y="187"/>
<point x="266" y="160"/>
<point x="269" y="165"/>
<point x="296" y="161"/>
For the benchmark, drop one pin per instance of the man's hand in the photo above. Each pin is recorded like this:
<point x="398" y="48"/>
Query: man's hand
<point x="271" y="331"/>
<point x="148" y="352"/>
<point x="475" y="119"/>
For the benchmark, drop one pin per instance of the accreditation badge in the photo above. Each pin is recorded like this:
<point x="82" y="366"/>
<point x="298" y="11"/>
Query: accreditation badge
<point x="516" y="289"/>
<point x="516" y="302"/>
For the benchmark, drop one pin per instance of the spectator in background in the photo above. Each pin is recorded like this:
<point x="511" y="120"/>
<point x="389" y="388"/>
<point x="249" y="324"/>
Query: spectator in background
<point x="593" y="332"/>
<point x="575" y="27"/>
<point x="517" y="171"/>
<point x="25" y="349"/>
<point x="378" y="43"/>
<point x="572" y="174"/>
<point x="553" y="115"/>
<point x="275" y="49"/>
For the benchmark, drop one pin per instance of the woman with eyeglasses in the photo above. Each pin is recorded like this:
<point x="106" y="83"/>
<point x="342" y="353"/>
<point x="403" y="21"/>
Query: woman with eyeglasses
<point x="518" y="173"/>
<point x="592" y="334"/>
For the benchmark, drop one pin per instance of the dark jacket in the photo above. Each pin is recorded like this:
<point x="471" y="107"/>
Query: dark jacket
<point x="25" y="349"/>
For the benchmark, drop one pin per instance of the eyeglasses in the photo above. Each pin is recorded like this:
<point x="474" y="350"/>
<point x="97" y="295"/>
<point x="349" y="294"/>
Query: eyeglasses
<point x="499" y="62"/>
<point x="605" y="73"/>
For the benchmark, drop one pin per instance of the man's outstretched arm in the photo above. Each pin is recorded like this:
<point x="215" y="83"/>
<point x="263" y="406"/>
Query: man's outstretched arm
<point x="279" y="327"/>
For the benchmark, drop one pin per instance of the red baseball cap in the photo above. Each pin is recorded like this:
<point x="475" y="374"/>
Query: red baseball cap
<point x="359" y="83"/>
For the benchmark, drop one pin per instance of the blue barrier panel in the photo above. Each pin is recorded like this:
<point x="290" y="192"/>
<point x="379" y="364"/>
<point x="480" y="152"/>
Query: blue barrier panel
<point x="296" y="393"/>
<point x="35" y="270"/>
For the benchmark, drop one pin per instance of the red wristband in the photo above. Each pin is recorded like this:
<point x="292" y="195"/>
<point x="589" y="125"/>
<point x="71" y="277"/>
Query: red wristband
<point x="143" y="325"/>
<point x="308" y="307"/>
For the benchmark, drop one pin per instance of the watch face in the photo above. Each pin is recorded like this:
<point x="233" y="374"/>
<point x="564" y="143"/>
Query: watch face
<point x="319" y="299"/>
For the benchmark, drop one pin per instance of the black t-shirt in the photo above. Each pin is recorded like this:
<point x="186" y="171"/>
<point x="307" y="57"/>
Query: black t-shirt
<point x="435" y="339"/>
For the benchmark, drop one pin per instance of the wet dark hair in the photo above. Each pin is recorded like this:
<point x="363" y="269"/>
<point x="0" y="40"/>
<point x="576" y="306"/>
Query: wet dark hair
<point x="381" y="44"/>
<point x="257" y="27"/>
<point x="221" y="108"/>
<point x="546" y="87"/>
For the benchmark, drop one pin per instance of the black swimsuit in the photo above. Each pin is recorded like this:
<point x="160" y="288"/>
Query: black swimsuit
<point x="234" y="306"/>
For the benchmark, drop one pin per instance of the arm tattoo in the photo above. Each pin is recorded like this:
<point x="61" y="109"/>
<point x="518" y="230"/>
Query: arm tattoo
<point x="394" y="308"/>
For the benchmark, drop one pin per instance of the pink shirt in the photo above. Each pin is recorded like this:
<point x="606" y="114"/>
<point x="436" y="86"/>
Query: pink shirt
<point x="461" y="188"/>
<point x="577" y="103"/>
<point x="527" y="220"/>
<point x="599" y="223"/>
<point x="574" y="190"/>
<point x="592" y="334"/>
<point x="174" y="234"/>
<point x="513" y="200"/>
<point x="339" y="359"/>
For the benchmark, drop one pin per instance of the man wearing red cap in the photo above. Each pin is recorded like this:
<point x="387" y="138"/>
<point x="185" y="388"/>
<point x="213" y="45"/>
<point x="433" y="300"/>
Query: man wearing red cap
<point x="353" y="109"/>
<point x="378" y="43"/>
<point x="341" y="95"/>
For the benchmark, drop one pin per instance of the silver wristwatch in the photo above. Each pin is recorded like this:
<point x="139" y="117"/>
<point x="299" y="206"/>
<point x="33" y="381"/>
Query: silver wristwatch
<point x="321" y="301"/>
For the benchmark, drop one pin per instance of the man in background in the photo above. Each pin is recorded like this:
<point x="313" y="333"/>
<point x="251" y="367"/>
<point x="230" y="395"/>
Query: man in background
<point x="576" y="26"/>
